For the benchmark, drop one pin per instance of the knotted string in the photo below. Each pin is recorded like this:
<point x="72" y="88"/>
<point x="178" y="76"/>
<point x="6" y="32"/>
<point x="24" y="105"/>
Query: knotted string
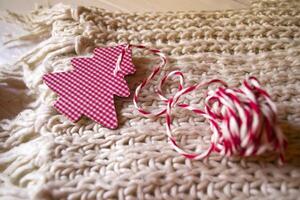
<point x="243" y="120"/>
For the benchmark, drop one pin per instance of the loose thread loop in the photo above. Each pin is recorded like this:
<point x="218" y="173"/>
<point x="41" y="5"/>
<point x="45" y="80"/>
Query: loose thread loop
<point x="243" y="120"/>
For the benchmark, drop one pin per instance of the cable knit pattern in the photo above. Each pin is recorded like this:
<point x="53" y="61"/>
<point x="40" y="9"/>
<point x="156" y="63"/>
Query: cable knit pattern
<point x="45" y="156"/>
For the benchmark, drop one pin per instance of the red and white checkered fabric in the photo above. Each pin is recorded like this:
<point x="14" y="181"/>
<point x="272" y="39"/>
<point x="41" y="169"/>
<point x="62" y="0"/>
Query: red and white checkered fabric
<point x="89" y="89"/>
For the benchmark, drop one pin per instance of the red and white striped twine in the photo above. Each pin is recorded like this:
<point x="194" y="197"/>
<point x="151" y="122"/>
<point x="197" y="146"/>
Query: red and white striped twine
<point x="243" y="121"/>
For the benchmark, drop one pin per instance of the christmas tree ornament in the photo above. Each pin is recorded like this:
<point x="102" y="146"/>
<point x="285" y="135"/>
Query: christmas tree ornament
<point x="243" y="120"/>
<point x="89" y="89"/>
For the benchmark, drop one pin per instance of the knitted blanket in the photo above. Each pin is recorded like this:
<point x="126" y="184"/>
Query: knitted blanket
<point x="45" y="156"/>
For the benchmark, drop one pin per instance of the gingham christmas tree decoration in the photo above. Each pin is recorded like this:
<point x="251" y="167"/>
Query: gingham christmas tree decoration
<point x="243" y="120"/>
<point x="89" y="89"/>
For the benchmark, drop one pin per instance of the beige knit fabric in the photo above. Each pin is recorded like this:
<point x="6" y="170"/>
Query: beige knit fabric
<point x="44" y="156"/>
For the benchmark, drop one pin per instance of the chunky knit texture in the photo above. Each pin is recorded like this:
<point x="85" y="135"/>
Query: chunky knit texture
<point x="45" y="156"/>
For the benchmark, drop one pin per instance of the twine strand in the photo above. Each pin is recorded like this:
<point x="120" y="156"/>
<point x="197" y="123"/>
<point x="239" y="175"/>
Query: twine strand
<point x="243" y="120"/>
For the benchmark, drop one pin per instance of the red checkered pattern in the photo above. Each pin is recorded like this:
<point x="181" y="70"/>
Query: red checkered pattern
<point x="90" y="88"/>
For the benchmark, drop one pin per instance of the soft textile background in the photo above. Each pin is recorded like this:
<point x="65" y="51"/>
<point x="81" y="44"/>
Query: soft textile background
<point x="44" y="156"/>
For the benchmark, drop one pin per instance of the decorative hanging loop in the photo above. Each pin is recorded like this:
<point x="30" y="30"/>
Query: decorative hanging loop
<point x="243" y="120"/>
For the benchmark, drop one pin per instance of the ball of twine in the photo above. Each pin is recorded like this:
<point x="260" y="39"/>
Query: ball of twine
<point x="243" y="120"/>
